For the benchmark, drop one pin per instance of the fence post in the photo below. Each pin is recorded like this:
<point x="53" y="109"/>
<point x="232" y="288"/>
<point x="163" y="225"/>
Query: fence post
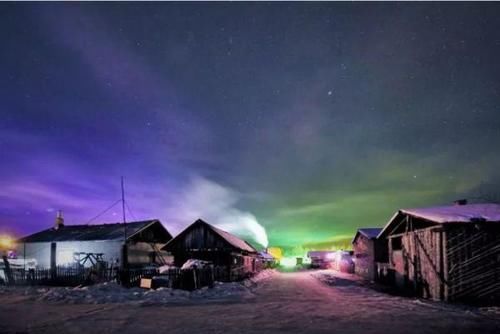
<point x="194" y="279"/>
<point x="8" y="272"/>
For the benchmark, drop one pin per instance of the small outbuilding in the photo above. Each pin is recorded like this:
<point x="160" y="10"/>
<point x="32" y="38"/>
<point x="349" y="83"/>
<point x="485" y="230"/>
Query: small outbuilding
<point x="366" y="250"/>
<point x="268" y="261"/>
<point x="321" y="259"/>
<point x="204" y="241"/>
<point x="447" y="252"/>
<point x="68" y="245"/>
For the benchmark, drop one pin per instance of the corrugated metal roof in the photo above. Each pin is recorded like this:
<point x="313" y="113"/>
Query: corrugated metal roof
<point x="88" y="232"/>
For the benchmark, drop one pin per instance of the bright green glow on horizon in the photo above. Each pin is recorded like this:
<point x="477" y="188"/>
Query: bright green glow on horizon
<point x="328" y="219"/>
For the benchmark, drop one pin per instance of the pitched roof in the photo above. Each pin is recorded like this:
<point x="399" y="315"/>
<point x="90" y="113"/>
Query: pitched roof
<point x="458" y="213"/>
<point x="369" y="232"/>
<point x="233" y="240"/>
<point x="468" y="213"/>
<point x="266" y="256"/>
<point x="320" y="254"/>
<point x="89" y="232"/>
<point x="229" y="238"/>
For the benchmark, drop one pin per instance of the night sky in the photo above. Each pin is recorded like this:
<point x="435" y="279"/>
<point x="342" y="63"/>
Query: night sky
<point x="310" y="119"/>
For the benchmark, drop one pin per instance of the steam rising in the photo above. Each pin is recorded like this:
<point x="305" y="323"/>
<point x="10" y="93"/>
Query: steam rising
<point x="215" y="203"/>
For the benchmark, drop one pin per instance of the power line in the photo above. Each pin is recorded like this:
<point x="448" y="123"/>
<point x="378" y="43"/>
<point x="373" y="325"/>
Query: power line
<point x="123" y="212"/>
<point x="130" y="211"/>
<point x="104" y="211"/>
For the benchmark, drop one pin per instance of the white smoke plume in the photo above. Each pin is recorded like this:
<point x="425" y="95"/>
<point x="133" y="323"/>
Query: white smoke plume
<point x="215" y="204"/>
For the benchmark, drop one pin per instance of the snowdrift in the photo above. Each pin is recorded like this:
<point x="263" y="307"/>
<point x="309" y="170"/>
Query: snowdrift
<point x="114" y="293"/>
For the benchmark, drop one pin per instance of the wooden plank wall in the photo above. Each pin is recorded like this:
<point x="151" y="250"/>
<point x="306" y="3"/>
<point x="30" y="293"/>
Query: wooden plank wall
<point x="473" y="260"/>
<point x="364" y="255"/>
<point x="422" y="251"/>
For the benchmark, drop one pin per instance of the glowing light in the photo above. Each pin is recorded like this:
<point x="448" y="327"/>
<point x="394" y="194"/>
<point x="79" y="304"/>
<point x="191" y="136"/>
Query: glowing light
<point x="331" y="256"/>
<point x="65" y="257"/>
<point x="6" y="242"/>
<point x="275" y="252"/>
<point x="288" y="261"/>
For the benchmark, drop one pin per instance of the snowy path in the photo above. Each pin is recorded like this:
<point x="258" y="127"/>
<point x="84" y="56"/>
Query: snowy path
<point x="287" y="303"/>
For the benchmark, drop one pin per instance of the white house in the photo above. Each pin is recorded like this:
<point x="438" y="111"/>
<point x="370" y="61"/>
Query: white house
<point x="63" y="245"/>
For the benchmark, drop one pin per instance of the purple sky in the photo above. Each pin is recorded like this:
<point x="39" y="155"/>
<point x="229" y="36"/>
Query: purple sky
<point x="309" y="119"/>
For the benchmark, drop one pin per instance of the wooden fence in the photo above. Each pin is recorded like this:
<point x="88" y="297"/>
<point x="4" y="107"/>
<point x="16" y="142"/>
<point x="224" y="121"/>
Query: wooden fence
<point x="60" y="276"/>
<point x="189" y="279"/>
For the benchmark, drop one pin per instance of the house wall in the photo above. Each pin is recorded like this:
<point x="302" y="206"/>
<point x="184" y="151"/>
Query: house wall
<point x="200" y="242"/>
<point x="203" y="244"/>
<point x="40" y="251"/>
<point x="140" y="253"/>
<point x="418" y="262"/>
<point x="199" y="238"/>
<point x="364" y="257"/>
<point x="472" y="262"/>
<point x="64" y="251"/>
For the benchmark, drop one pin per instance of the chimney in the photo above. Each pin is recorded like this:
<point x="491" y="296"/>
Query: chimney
<point x="59" y="220"/>
<point x="460" y="202"/>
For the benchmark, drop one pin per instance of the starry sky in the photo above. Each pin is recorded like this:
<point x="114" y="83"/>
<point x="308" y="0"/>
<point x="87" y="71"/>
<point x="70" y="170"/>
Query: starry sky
<point x="307" y="119"/>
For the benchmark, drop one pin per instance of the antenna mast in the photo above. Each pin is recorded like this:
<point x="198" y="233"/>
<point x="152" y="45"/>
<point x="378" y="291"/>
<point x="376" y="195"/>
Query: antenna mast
<point x="123" y="211"/>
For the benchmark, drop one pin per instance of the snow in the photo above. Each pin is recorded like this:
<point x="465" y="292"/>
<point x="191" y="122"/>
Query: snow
<point x="194" y="263"/>
<point x="467" y="213"/>
<point x="296" y="302"/>
<point x="458" y="213"/>
<point x="111" y="292"/>
<point x="361" y="293"/>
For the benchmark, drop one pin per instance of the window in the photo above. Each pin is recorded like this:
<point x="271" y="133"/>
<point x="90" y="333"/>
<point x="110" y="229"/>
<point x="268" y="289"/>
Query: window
<point x="397" y="243"/>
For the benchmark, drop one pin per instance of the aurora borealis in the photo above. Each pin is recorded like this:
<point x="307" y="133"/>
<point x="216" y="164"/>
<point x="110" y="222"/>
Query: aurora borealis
<point x="313" y="119"/>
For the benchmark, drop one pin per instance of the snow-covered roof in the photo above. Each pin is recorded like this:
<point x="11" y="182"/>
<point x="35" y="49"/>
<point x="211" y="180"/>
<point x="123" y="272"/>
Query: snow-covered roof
<point x="266" y="256"/>
<point x="368" y="232"/>
<point x="320" y="254"/>
<point x="458" y="213"/>
<point x="467" y="213"/>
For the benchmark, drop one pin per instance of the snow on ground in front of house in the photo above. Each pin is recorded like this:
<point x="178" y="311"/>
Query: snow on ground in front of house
<point x="111" y="292"/>
<point x="360" y="292"/>
<point x="291" y="302"/>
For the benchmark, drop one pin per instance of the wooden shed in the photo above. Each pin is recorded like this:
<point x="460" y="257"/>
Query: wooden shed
<point x="446" y="253"/>
<point x="203" y="241"/>
<point x="366" y="249"/>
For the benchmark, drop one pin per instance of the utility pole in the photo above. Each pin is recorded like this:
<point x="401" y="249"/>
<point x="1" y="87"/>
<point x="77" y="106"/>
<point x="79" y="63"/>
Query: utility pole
<point x="123" y="212"/>
<point x="124" y="277"/>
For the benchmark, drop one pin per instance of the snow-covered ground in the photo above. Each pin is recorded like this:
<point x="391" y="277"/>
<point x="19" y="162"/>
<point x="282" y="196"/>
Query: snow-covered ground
<point x="357" y="291"/>
<point x="297" y="302"/>
<point x="115" y="293"/>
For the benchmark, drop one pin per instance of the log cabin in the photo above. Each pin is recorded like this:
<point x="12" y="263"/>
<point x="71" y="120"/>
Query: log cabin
<point x="447" y="253"/>
<point x="366" y="249"/>
<point x="204" y="241"/>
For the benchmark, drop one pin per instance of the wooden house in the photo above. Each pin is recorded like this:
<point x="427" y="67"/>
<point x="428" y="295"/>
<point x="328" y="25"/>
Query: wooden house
<point x="68" y="245"/>
<point x="268" y="261"/>
<point x="366" y="250"/>
<point x="321" y="259"/>
<point x="206" y="242"/>
<point x="445" y="253"/>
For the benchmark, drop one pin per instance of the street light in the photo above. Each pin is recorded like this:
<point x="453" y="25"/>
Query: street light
<point x="6" y="242"/>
